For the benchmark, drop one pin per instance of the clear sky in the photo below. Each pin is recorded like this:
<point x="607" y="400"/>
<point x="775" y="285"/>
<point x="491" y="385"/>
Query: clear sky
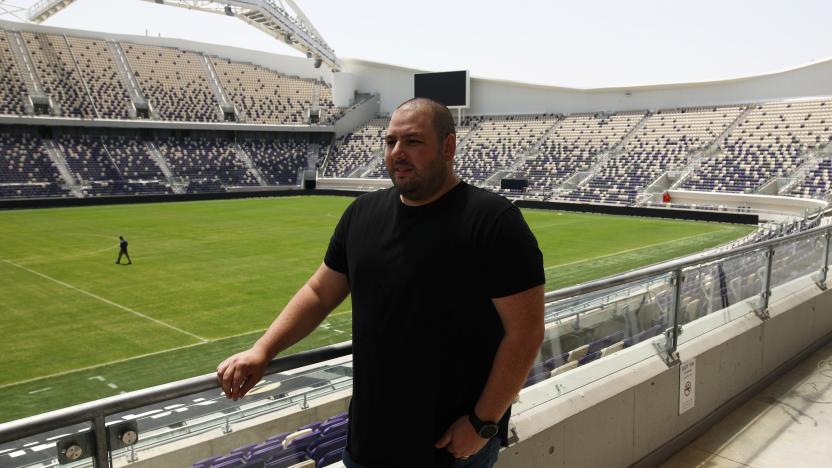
<point x="585" y="44"/>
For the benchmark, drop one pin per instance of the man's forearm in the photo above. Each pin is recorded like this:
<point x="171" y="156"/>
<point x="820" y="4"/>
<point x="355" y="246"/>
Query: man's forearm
<point x="324" y="291"/>
<point x="514" y="358"/>
<point x="300" y="317"/>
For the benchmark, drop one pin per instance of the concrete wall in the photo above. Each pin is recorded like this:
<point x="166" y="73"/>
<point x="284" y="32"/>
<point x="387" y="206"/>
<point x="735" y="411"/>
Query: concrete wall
<point x="763" y="204"/>
<point x="632" y="416"/>
<point x="395" y="84"/>
<point x="357" y="116"/>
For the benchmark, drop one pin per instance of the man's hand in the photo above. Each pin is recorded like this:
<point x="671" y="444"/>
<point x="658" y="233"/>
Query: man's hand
<point x="460" y="440"/>
<point x="240" y="372"/>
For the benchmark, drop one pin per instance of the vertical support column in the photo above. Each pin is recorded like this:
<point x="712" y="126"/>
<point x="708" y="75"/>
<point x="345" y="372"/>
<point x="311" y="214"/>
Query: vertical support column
<point x="824" y="269"/>
<point x="102" y="451"/>
<point x="762" y="312"/>
<point x="672" y="334"/>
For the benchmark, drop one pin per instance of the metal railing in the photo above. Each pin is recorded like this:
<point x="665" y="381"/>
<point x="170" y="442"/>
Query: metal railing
<point x="95" y="412"/>
<point x="676" y="267"/>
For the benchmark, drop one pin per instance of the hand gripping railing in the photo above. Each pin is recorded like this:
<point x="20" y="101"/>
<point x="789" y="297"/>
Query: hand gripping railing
<point x="95" y="412"/>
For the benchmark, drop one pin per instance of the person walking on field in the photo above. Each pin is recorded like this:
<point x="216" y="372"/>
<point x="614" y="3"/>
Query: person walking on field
<point x="446" y="281"/>
<point x="122" y="250"/>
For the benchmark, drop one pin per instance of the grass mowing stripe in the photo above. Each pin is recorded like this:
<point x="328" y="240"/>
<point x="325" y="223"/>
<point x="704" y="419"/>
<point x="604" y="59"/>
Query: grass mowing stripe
<point x="598" y="267"/>
<point x="622" y="252"/>
<point x="107" y="301"/>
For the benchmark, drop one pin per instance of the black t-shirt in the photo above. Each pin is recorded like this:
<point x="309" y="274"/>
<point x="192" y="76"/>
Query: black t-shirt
<point x="424" y="328"/>
<point x="123" y="244"/>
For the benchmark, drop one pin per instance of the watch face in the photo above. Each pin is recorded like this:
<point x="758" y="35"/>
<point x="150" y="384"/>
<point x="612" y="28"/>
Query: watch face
<point x="488" y="431"/>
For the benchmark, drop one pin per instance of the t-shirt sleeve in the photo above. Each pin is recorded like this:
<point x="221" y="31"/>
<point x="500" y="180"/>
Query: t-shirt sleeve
<point x="513" y="262"/>
<point x="336" y="253"/>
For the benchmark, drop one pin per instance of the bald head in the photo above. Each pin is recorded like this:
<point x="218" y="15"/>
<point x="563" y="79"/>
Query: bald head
<point x="441" y="118"/>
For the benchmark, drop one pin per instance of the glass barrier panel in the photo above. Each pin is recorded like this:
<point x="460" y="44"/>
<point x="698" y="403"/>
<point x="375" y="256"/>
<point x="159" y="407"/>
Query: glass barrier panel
<point x="796" y="259"/>
<point x="584" y="332"/>
<point x="71" y="447"/>
<point x="185" y="417"/>
<point x="715" y="293"/>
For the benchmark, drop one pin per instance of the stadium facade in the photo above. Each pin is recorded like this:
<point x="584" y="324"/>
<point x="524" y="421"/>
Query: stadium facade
<point x="611" y="371"/>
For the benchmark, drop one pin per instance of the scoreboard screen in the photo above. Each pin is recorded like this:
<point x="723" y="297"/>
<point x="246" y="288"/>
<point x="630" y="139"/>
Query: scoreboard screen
<point x="449" y="88"/>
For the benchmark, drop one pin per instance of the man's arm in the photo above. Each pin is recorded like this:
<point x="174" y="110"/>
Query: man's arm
<point x="310" y="305"/>
<point x="522" y="318"/>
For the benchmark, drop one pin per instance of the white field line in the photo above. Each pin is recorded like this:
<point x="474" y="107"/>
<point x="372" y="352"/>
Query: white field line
<point x="155" y="353"/>
<point x="119" y="361"/>
<point x="627" y="251"/>
<point x="107" y="301"/>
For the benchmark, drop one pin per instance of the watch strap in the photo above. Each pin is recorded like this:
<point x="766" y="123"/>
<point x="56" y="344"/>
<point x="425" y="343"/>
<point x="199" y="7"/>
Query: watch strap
<point x="485" y="429"/>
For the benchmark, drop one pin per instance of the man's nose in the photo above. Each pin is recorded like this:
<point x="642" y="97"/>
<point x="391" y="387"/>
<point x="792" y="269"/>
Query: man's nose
<point x="397" y="152"/>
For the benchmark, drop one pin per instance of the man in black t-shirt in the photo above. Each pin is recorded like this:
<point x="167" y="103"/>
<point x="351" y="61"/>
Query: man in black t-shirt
<point x="447" y="291"/>
<point x="122" y="250"/>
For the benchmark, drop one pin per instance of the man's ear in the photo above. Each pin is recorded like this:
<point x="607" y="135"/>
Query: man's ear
<point x="449" y="146"/>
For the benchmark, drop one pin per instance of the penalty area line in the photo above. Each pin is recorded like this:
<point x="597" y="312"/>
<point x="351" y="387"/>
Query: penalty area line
<point x="107" y="301"/>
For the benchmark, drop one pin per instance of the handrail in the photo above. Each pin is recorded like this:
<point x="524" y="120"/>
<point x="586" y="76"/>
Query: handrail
<point x="89" y="411"/>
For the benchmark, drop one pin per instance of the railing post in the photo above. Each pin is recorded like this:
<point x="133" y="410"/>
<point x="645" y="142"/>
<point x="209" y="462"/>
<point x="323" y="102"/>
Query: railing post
<point x="824" y="270"/>
<point x="672" y="334"/>
<point x="762" y="312"/>
<point x="102" y="450"/>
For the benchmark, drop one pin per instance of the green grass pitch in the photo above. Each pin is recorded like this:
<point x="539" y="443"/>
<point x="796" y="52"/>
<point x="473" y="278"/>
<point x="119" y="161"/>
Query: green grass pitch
<point x="208" y="277"/>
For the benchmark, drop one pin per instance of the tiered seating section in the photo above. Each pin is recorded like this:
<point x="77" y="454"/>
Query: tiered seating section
<point x="106" y="163"/>
<point x="174" y="83"/>
<point x="210" y="164"/>
<point x="279" y="160"/>
<point x="82" y="79"/>
<point x="101" y="77"/>
<point x="26" y="170"/>
<point x="496" y="141"/>
<point x="818" y="182"/>
<point x="665" y="141"/>
<point x="356" y="149"/>
<point x="98" y="161"/>
<point x="268" y="97"/>
<point x="772" y="141"/>
<point x="58" y="74"/>
<point x="574" y="145"/>
<point x="314" y="445"/>
<point x="12" y="88"/>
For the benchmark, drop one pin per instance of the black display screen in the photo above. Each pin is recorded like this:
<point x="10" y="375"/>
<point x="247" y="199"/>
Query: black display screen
<point x="449" y="88"/>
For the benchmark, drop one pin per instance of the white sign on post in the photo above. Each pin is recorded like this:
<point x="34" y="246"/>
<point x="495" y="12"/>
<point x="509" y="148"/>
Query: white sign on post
<point x="687" y="385"/>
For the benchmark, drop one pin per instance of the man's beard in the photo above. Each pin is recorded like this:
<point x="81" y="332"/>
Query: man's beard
<point x="420" y="186"/>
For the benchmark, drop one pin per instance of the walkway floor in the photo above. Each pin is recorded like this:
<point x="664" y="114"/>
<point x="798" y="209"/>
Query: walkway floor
<point x="787" y="424"/>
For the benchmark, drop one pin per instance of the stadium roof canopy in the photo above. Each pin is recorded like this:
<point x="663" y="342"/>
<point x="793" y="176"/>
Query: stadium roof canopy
<point x="281" y="19"/>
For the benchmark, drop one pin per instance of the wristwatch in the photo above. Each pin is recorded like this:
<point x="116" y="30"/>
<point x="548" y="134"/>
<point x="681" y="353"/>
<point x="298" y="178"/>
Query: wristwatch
<point x="484" y="429"/>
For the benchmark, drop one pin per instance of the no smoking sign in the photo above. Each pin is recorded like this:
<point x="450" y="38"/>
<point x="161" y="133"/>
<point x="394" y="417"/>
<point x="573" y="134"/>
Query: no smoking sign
<point x="687" y="385"/>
